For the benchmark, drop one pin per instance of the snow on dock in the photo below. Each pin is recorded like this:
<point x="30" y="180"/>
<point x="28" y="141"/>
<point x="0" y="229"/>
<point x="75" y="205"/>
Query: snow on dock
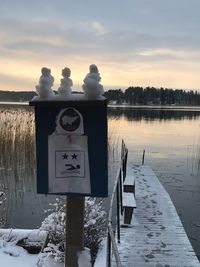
<point x="156" y="236"/>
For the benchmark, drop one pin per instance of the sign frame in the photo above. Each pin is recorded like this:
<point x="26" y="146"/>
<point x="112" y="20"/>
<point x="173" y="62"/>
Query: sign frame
<point x="94" y="114"/>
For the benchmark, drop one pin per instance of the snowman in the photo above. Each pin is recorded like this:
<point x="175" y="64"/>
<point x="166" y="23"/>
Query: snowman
<point x="91" y="87"/>
<point x="65" y="83"/>
<point x="44" y="89"/>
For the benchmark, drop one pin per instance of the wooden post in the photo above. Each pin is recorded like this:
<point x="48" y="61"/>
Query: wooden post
<point x="143" y="157"/>
<point x="75" y="208"/>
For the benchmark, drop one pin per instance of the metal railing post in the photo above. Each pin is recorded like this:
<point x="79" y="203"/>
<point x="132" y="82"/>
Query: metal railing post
<point x="143" y="155"/>
<point x="118" y="193"/>
<point x="108" y="250"/>
<point x="118" y="214"/>
<point x="120" y="190"/>
<point x="114" y="246"/>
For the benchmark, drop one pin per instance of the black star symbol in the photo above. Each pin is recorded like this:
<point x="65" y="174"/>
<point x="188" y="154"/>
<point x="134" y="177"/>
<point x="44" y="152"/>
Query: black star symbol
<point x="74" y="156"/>
<point x="65" y="156"/>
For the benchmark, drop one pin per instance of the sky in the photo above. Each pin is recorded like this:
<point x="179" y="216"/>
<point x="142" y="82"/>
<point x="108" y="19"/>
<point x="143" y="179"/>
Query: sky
<point x="133" y="42"/>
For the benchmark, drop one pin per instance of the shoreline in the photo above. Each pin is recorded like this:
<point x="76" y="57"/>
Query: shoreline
<point x="171" y="107"/>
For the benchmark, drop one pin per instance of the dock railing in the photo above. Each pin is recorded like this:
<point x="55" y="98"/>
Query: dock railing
<point x="114" y="217"/>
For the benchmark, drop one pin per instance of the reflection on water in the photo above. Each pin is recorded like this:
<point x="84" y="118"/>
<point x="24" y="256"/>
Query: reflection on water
<point x="138" y="114"/>
<point x="169" y="136"/>
<point x="172" y="144"/>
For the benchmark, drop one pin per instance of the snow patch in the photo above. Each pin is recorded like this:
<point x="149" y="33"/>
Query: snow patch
<point x="15" y="235"/>
<point x="72" y="97"/>
<point x="84" y="259"/>
<point x="101" y="256"/>
<point x="12" y="255"/>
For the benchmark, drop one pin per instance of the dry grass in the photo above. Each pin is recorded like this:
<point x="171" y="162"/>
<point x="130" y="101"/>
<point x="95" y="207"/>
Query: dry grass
<point x="17" y="141"/>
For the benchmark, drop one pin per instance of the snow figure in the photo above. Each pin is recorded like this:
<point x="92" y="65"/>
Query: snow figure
<point x="45" y="83"/>
<point x="65" y="83"/>
<point x="91" y="87"/>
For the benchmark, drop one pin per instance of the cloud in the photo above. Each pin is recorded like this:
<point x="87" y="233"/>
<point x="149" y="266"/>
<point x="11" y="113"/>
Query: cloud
<point x="137" y="41"/>
<point x="87" y="39"/>
<point x="99" y="28"/>
<point x="170" y="55"/>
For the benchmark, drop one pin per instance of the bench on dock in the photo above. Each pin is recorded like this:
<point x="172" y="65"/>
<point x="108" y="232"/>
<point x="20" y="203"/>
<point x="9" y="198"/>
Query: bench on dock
<point x="129" y="184"/>
<point x="129" y="203"/>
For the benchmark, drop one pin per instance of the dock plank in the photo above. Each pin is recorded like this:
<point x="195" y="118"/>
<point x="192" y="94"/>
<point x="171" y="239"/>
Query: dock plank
<point x="156" y="236"/>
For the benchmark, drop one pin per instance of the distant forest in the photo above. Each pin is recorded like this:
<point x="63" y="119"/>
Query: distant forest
<point x="16" y="96"/>
<point x="132" y="96"/>
<point x="153" y="96"/>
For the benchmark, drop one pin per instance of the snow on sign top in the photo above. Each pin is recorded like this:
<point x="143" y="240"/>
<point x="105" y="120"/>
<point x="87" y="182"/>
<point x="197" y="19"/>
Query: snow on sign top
<point x="92" y="89"/>
<point x="69" y="121"/>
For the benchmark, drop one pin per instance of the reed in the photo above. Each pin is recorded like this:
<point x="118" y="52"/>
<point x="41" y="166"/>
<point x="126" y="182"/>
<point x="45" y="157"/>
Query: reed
<point x="17" y="141"/>
<point x="17" y="156"/>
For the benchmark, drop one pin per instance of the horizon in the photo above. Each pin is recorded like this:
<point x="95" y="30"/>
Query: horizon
<point x="147" y="43"/>
<point x="78" y="90"/>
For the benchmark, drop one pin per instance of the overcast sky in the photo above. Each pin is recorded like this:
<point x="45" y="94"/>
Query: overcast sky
<point x="143" y="42"/>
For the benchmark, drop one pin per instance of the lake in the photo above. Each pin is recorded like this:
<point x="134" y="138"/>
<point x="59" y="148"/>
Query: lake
<point x="170" y="137"/>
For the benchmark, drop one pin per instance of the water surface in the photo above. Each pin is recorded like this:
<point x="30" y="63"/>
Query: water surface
<point x="171" y="139"/>
<point x="169" y="135"/>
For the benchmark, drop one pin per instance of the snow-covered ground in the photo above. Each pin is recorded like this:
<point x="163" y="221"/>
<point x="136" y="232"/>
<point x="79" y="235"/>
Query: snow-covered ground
<point x="15" y="256"/>
<point x="101" y="257"/>
<point x="13" y="241"/>
<point x="12" y="255"/>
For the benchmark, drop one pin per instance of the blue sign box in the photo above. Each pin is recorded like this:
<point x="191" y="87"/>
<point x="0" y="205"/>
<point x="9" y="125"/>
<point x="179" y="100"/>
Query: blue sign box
<point x="94" y="115"/>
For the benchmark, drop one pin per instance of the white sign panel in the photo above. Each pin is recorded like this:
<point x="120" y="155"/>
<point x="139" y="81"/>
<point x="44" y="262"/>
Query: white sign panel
<point x="68" y="155"/>
<point x="68" y="164"/>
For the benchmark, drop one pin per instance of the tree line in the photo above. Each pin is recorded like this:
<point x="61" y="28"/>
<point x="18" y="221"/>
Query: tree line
<point x="132" y="95"/>
<point x="13" y="96"/>
<point x="153" y="96"/>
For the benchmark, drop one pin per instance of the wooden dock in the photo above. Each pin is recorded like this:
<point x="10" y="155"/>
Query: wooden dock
<point x="156" y="237"/>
